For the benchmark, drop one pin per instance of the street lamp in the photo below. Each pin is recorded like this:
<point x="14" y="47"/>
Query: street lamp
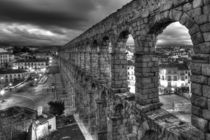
<point x="10" y="84"/>
<point x="2" y="92"/>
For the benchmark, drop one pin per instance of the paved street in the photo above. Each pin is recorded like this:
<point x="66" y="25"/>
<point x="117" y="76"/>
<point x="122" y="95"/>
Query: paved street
<point x="30" y="97"/>
<point x="178" y="106"/>
<point x="33" y="96"/>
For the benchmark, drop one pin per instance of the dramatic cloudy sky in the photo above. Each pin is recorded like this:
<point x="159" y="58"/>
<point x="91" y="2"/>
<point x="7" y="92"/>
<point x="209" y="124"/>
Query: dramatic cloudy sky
<point x="55" y="22"/>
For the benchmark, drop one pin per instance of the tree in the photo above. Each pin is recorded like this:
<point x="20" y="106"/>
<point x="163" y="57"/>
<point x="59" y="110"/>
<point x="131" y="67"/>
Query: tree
<point x="16" y="49"/>
<point x="56" y="107"/>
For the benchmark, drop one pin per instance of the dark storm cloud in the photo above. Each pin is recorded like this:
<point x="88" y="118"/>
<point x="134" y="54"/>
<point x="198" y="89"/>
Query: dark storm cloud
<point x="59" y="21"/>
<point x="11" y="11"/>
<point x="62" y="20"/>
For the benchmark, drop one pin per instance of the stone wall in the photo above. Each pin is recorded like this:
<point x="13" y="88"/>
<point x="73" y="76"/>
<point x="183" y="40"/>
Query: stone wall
<point x="87" y="57"/>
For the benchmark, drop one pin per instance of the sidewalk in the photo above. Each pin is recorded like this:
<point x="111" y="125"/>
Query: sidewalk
<point x="178" y="106"/>
<point x="82" y="127"/>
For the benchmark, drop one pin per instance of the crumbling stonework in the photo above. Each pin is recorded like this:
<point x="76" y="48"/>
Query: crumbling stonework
<point x="136" y="119"/>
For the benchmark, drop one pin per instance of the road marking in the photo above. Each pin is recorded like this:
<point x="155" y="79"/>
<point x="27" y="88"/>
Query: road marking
<point x="24" y="97"/>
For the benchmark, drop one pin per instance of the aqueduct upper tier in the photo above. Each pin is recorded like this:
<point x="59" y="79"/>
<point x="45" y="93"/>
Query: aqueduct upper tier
<point x="94" y="68"/>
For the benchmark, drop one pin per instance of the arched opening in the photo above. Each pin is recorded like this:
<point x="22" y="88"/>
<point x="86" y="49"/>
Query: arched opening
<point x="105" y="60"/>
<point x="124" y="61"/>
<point x="130" y="50"/>
<point x="94" y="58"/>
<point x="174" y="50"/>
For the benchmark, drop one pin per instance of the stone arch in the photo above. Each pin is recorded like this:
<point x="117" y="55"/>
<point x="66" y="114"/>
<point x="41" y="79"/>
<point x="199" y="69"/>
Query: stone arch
<point x="104" y="60"/>
<point x="118" y="108"/>
<point x="162" y="20"/>
<point x="94" y="65"/>
<point x="124" y="31"/>
<point x="157" y="24"/>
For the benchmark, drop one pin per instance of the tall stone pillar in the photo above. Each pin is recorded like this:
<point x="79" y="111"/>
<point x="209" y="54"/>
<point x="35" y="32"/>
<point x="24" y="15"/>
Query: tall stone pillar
<point x="105" y="63"/>
<point x="119" y="67"/>
<point x="82" y="58"/>
<point x="201" y="93"/>
<point x="92" y="112"/>
<point x="78" y="58"/>
<point x="146" y="72"/>
<point x="94" y="62"/>
<point x="114" y="123"/>
<point x="101" y="120"/>
<point x="87" y="59"/>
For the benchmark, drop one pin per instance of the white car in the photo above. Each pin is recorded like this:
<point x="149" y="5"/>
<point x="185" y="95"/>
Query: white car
<point x="65" y="138"/>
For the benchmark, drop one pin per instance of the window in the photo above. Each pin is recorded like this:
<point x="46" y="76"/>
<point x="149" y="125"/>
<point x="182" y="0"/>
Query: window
<point x="169" y="71"/>
<point x="182" y="78"/>
<point x="169" y="78"/>
<point x="169" y="84"/>
<point x="175" y="78"/>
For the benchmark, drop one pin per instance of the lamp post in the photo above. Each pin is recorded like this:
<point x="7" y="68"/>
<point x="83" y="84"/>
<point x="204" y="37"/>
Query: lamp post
<point x="10" y="86"/>
<point x="2" y="81"/>
<point x="2" y="92"/>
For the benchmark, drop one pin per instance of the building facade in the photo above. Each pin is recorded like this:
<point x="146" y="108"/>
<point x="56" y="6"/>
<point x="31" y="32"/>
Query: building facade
<point x="10" y="75"/>
<point x="30" y="64"/>
<point x="131" y="76"/>
<point x="6" y="58"/>
<point x="172" y="77"/>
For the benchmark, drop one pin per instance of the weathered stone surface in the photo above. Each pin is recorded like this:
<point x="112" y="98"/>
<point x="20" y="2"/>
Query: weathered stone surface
<point x="187" y="7"/>
<point x="196" y="110"/>
<point x="197" y="38"/>
<point x="208" y="136"/>
<point x="208" y="104"/>
<point x="206" y="9"/>
<point x="92" y="60"/>
<point x="206" y="36"/>
<point x="199" y="101"/>
<point x="206" y="91"/>
<point x="205" y="27"/>
<point x="199" y="79"/>
<point x="203" y="48"/>
<point x="206" y="1"/>
<point x="206" y="114"/>
<point x="202" y="19"/>
<point x="196" y="89"/>
<point x="200" y="123"/>
<point x="197" y="3"/>
<point x="206" y="69"/>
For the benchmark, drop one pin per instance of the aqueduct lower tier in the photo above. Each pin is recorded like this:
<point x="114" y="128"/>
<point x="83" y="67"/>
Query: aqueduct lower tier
<point x="94" y="67"/>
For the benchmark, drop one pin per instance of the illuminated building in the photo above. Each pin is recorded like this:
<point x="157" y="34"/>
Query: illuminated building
<point x="11" y="75"/>
<point x="172" y="77"/>
<point x="31" y="64"/>
<point x="6" y="58"/>
<point x="43" y="126"/>
<point x="131" y="76"/>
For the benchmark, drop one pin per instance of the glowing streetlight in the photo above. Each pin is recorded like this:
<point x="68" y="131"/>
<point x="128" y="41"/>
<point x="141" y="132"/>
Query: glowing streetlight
<point x="10" y="84"/>
<point x="2" y="92"/>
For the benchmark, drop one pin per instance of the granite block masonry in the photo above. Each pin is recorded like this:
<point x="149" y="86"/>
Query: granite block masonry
<point x="98" y="75"/>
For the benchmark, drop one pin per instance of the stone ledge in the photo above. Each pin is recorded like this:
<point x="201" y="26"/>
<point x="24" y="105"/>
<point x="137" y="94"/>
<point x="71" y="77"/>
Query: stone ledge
<point x="168" y="122"/>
